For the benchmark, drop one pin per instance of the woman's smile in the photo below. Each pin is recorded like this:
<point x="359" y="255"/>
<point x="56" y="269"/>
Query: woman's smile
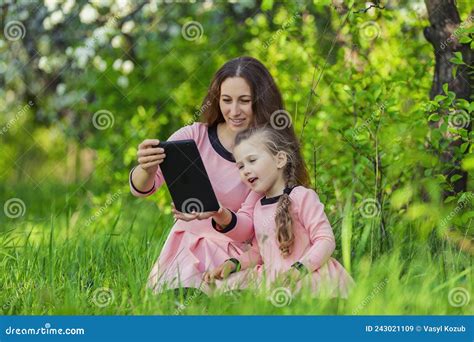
<point x="238" y="122"/>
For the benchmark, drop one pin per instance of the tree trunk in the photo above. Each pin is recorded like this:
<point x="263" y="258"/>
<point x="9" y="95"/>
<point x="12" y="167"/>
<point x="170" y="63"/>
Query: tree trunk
<point x="444" y="35"/>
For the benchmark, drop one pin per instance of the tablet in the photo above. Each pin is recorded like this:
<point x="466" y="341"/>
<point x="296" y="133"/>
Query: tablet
<point x="186" y="177"/>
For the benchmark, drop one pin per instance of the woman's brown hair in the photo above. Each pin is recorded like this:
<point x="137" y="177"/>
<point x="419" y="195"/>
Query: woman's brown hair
<point x="267" y="102"/>
<point x="276" y="142"/>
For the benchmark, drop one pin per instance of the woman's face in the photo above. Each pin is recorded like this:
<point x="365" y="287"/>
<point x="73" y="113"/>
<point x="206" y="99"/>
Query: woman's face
<point x="236" y="103"/>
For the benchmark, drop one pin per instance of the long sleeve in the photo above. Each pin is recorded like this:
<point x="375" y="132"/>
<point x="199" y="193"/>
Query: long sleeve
<point x="312" y="216"/>
<point x="251" y="257"/>
<point x="187" y="132"/>
<point x="241" y="227"/>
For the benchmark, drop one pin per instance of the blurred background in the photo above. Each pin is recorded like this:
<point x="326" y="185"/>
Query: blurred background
<point x="389" y="148"/>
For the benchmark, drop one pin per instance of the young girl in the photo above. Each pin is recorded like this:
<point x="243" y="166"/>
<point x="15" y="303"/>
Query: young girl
<point x="294" y="238"/>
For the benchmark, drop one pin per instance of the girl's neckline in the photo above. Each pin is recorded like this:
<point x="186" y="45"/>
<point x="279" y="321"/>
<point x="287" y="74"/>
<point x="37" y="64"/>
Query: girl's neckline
<point x="217" y="145"/>
<point x="272" y="200"/>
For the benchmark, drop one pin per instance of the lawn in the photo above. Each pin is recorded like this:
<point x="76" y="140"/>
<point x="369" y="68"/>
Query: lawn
<point x="69" y="252"/>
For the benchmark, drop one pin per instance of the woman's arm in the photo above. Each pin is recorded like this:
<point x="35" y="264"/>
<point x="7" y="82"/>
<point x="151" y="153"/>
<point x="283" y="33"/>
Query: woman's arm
<point x="146" y="178"/>
<point x="142" y="177"/>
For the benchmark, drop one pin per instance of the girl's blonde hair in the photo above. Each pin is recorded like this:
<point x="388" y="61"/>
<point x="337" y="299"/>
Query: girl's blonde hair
<point x="276" y="142"/>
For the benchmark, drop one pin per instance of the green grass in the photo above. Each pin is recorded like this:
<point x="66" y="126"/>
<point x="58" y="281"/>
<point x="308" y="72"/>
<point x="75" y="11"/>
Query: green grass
<point x="52" y="263"/>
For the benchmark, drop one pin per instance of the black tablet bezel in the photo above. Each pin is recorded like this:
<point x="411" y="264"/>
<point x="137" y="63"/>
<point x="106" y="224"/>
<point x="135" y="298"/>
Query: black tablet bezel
<point x="186" y="177"/>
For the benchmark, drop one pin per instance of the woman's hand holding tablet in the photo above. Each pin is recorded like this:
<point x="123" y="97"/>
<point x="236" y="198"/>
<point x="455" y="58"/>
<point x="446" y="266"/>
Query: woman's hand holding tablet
<point x="150" y="155"/>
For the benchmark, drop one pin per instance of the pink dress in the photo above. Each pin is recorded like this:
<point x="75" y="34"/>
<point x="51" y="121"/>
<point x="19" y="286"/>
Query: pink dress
<point x="196" y="246"/>
<point x="313" y="247"/>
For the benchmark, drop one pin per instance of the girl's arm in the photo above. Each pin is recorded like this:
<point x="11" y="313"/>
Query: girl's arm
<point x="312" y="216"/>
<point x="143" y="184"/>
<point x="248" y="259"/>
<point x="238" y="226"/>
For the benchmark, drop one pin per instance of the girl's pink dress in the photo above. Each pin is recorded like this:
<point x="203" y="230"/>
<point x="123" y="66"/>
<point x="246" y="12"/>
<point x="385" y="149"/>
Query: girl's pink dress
<point x="313" y="247"/>
<point x="197" y="246"/>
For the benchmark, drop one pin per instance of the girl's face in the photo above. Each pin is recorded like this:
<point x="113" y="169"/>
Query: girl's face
<point x="259" y="169"/>
<point x="236" y="103"/>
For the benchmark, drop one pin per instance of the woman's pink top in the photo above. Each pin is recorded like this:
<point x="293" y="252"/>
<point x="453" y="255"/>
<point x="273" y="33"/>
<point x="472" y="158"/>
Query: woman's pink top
<point x="196" y="246"/>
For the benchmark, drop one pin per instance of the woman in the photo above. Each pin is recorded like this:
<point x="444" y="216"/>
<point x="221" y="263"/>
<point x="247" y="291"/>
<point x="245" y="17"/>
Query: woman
<point x="242" y="94"/>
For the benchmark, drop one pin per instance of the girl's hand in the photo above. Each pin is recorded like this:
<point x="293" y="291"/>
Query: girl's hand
<point x="221" y="272"/>
<point x="150" y="157"/>
<point x="178" y="215"/>
<point x="289" y="278"/>
<point x="222" y="216"/>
